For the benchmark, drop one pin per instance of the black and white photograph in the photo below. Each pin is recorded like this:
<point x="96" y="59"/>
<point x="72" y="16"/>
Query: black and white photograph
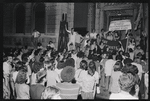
<point x="75" y="50"/>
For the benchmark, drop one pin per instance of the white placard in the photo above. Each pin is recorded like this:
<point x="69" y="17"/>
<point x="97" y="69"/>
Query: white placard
<point x="120" y="25"/>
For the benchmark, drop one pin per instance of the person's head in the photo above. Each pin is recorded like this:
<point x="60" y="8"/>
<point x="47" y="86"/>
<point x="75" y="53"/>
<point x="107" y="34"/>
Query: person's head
<point x="104" y="55"/>
<point x="39" y="44"/>
<point x="88" y="42"/>
<point x="138" y="47"/>
<point x="129" y="68"/>
<point x="110" y="56"/>
<point x="91" y="68"/>
<point x="97" y="36"/>
<point x="127" y="55"/>
<point x="37" y="66"/>
<point x="21" y="77"/>
<point x="84" y="65"/>
<point x="80" y="54"/>
<point x="34" y="30"/>
<point x="137" y="60"/>
<point x="51" y="93"/>
<point x="126" y="82"/>
<point x="70" y="62"/>
<point x="9" y="58"/>
<point x="67" y="74"/>
<point x="102" y="30"/>
<point x="93" y="30"/>
<point x="118" y="66"/>
<point x="50" y="42"/>
<point x="15" y="60"/>
<point x="121" y="52"/>
<point x="119" y="57"/>
<point x="41" y="76"/>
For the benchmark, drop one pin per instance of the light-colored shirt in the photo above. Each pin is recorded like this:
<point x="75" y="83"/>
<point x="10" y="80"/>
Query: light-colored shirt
<point x="7" y="68"/>
<point x="122" y="95"/>
<point x="78" y="38"/>
<point x="52" y="78"/>
<point x="22" y="91"/>
<point x="93" y="35"/>
<point x="109" y="66"/>
<point x="71" y="36"/>
<point x="36" y="34"/>
<point x="114" y="84"/>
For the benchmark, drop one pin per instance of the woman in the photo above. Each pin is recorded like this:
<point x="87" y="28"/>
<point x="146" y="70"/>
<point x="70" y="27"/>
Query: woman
<point x="116" y="73"/>
<point x="131" y="48"/>
<point x="89" y="82"/>
<point x="22" y="89"/>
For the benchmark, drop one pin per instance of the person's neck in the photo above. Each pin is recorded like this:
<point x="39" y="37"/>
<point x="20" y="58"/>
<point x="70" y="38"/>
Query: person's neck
<point x="42" y="83"/>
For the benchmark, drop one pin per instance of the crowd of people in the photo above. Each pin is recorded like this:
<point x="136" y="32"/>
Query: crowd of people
<point x="78" y="72"/>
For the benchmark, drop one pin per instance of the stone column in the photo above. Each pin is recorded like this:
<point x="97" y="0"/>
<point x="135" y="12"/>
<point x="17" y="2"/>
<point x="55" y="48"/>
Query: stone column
<point x="101" y="16"/>
<point x="97" y="18"/>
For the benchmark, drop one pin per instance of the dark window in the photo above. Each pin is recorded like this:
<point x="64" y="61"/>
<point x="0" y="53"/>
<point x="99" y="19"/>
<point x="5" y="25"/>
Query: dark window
<point x="20" y="19"/>
<point x="40" y="18"/>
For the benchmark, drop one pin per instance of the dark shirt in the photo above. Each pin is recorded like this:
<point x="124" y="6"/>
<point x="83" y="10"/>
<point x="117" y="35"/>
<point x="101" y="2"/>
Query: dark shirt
<point x="36" y="91"/>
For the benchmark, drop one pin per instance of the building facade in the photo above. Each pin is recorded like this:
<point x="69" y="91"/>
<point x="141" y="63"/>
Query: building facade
<point x="21" y="18"/>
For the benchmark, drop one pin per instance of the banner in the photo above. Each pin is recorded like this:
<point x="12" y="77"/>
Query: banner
<point x="113" y="44"/>
<point x="120" y="25"/>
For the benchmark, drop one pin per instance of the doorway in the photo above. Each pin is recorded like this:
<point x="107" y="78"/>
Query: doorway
<point x="80" y="17"/>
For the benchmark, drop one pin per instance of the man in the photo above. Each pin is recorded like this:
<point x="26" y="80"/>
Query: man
<point x="93" y="34"/>
<point x="72" y="36"/>
<point x="78" y="41"/>
<point x="126" y="82"/>
<point x="35" y="37"/>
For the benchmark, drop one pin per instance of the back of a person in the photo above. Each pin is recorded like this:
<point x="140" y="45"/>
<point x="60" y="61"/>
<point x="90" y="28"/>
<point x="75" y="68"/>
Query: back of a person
<point x="22" y="91"/>
<point x="122" y="95"/>
<point x="51" y="78"/>
<point x="36" y="91"/>
<point x="68" y="90"/>
<point x="114" y="84"/>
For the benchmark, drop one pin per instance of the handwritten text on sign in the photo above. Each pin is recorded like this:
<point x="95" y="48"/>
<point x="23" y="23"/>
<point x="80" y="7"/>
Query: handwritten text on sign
<point x="120" y="25"/>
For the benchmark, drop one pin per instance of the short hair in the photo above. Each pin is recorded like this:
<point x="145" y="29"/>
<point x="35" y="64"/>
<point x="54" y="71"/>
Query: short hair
<point x="129" y="68"/>
<point x="82" y="64"/>
<point x="37" y="66"/>
<point x="127" y="81"/>
<point x="72" y="28"/>
<point x="19" y="65"/>
<point x="39" y="44"/>
<point x="119" y="57"/>
<point x="21" y="77"/>
<point x="49" y="92"/>
<point x="118" y="63"/>
<point x="102" y="29"/>
<point x="127" y="54"/>
<point x="80" y="54"/>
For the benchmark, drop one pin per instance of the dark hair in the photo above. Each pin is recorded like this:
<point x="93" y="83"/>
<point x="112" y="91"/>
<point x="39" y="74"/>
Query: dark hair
<point x="36" y="66"/>
<point x="129" y="68"/>
<point x="21" y="77"/>
<point x="118" y="63"/>
<point x="19" y="65"/>
<point x="92" y="68"/>
<point x="37" y="52"/>
<point x="82" y="64"/>
<point x="119" y="57"/>
<point x="39" y="44"/>
<point x="80" y="54"/>
<point x="72" y="28"/>
<point x="127" y="54"/>
<point x="110" y="56"/>
<point x="102" y="29"/>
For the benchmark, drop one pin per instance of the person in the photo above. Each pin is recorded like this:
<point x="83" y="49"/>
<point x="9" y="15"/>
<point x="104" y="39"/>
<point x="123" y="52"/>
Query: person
<point x="126" y="82"/>
<point x="35" y="37"/>
<point x="131" y="48"/>
<point x="93" y="34"/>
<point x="51" y="92"/>
<point x="78" y="41"/>
<point x="109" y="36"/>
<point x="90" y="82"/>
<point x="72" y="35"/>
<point x="22" y="89"/>
<point x="52" y="76"/>
<point x="81" y="72"/>
<point x="108" y="70"/>
<point x="37" y="89"/>
<point x="116" y="73"/>
<point x="51" y="44"/>
<point x="127" y="58"/>
<point x="68" y="90"/>
<point x="138" y="50"/>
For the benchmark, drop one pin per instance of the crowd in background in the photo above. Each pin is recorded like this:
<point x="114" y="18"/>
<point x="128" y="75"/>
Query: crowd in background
<point x="78" y="72"/>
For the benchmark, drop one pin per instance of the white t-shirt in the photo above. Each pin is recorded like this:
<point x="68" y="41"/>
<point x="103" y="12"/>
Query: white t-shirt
<point x="52" y="78"/>
<point x="6" y="68"/>
<point x="72" y="36"/>
<point x="109" y="66"/>
<point x="122" y="95"/>
<point x="89" y="82"/>
<point x="139" y="66"/>
<point x="93" y="35"/>
<point x="58" y="71"/>
<point x="35" y="34"/>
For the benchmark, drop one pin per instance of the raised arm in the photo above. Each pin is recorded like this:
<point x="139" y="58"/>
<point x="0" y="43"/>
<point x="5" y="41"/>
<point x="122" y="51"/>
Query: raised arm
<point x="67" y="30"/>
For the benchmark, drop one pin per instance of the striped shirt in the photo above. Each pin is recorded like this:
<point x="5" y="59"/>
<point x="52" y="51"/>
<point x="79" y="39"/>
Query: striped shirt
<point x="68" y="90"/>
